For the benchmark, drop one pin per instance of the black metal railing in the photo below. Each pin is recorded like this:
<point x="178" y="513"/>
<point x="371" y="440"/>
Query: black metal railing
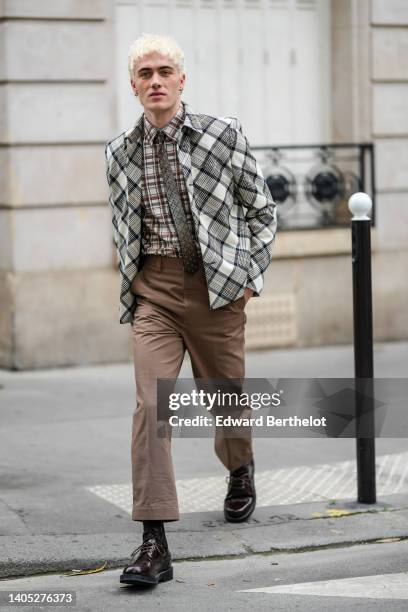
<point x="312" y="184"/>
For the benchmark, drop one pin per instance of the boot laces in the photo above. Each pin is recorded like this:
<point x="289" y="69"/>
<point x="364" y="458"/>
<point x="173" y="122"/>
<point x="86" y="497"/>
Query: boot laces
<point x="148" y="547"/>
<point x="237" y="482"/>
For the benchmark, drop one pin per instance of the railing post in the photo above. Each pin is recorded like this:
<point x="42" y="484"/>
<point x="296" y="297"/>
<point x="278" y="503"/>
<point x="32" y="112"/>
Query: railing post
<point x="360" y="205"/>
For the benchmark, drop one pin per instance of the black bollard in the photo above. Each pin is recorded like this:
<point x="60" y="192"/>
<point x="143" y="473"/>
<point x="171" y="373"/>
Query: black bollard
<point x="360" y="205"/>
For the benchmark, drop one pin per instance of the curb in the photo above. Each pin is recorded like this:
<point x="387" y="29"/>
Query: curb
<point x="198" y="536"/>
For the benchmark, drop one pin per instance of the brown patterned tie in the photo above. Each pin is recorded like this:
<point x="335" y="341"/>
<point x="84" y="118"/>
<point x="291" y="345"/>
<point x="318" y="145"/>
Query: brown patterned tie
<point x="187" y="244"/>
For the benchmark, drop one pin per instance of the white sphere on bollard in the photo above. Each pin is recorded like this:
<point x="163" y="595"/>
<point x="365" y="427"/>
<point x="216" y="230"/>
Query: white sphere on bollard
<point x="360" y="204"/>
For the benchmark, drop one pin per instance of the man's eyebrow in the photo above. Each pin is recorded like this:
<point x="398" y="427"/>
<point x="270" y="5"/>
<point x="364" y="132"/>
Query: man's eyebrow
<point x="160" y="68"/>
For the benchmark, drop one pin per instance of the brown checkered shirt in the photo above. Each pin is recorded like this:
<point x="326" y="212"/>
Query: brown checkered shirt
<point x="159" y="236"/>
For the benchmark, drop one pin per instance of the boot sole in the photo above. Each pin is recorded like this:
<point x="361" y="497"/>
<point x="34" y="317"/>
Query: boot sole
<point x="139" y="579"/>
<point x="240" y="519"/>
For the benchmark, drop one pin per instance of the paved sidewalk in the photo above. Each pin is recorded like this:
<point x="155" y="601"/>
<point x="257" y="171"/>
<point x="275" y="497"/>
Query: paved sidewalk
<point x="62" y="433"/>
<point x="293" y="528"/>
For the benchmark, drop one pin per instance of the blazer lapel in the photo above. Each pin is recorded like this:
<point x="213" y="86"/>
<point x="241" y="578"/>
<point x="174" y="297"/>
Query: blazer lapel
<point x="191" y="122"/>
<point x="185" y="162"/>
<point x="134" y="174"/>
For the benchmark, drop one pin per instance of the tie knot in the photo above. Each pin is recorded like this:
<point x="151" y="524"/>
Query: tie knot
<point x="160" y="137"/>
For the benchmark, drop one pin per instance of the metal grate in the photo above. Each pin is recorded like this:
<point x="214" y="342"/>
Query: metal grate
<point x="311" y="184"/>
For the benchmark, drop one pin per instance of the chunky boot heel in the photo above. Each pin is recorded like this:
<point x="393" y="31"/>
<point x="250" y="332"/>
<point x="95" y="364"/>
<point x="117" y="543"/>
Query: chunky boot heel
<point x="166" y="575"/>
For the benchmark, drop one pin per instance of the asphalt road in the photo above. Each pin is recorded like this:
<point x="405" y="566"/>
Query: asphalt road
<point x="364" y="578"/>
<point x="67" y="429"/>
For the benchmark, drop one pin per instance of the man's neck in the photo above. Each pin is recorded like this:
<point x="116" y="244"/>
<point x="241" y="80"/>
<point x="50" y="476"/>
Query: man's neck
<point x="160" y="119"/>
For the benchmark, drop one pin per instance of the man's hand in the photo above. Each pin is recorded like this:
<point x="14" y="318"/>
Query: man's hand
<point x="248" y="294"/>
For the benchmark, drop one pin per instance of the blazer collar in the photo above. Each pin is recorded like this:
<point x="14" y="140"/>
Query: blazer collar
<point x="191" y="120"/>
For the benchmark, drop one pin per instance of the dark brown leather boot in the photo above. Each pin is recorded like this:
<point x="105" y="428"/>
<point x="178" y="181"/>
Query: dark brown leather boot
<point x="240" y="501"/>
<point x="150" y="562"/>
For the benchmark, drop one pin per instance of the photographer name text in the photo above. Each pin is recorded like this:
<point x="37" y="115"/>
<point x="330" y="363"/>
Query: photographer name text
<point x="258" y="421"/>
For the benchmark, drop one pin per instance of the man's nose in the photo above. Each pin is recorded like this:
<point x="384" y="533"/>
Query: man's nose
<point x="156" y="80"/>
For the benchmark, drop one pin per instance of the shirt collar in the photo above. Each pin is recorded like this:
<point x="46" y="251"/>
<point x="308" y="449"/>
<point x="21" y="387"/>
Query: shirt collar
<point x="192" y="121"/>
<point x="171" y="129"/>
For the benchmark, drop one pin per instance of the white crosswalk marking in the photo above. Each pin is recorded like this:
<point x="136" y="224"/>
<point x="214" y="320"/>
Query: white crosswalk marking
<point x="381" y="586"/>
<point x="296" y="485"/>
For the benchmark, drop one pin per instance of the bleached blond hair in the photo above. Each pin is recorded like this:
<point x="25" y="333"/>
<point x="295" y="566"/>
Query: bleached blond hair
<point x="163" y="44"/>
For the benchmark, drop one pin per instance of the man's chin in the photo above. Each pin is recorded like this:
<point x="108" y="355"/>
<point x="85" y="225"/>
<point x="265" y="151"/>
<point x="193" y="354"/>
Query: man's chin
<point x="161" y="103"/>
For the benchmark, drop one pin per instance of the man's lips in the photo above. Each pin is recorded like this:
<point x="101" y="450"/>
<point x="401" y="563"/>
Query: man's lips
<point x="156" y="95"/>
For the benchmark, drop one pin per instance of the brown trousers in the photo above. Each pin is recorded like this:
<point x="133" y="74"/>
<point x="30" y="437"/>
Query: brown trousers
<point x="173" y="315"/>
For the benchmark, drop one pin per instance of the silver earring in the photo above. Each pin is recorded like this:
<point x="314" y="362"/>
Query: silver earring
<point x="136" y="94"/>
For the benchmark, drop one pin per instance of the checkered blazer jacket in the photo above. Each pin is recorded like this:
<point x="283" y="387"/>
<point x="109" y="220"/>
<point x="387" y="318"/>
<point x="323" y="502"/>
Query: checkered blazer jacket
<point x="233" y="211"/>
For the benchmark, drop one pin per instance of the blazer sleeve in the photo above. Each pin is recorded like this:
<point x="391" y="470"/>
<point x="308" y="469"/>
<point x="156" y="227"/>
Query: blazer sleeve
<point x="111" y="183"/>
<point x="253" y="193"/>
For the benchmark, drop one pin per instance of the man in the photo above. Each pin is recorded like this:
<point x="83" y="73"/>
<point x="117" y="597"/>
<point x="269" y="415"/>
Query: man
<point x="194" y="224"/>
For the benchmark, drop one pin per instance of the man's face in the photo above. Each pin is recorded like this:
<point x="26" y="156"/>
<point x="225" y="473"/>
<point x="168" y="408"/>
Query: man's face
<point x="157" y="80"/>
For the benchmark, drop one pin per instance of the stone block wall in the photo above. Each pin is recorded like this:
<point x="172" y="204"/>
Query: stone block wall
<point x="58" y="282"/>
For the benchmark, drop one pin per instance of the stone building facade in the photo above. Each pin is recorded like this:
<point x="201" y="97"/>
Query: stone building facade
<point x="58" y="106"/>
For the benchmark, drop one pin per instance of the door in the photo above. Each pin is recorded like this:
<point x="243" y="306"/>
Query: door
<point x="264" y="61"/>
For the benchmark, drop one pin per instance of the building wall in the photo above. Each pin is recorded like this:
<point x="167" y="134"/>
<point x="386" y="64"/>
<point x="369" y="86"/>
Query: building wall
<point x="370" y="98"/>
<point x="389" y="128"/>
<point x="58" y="283"/>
